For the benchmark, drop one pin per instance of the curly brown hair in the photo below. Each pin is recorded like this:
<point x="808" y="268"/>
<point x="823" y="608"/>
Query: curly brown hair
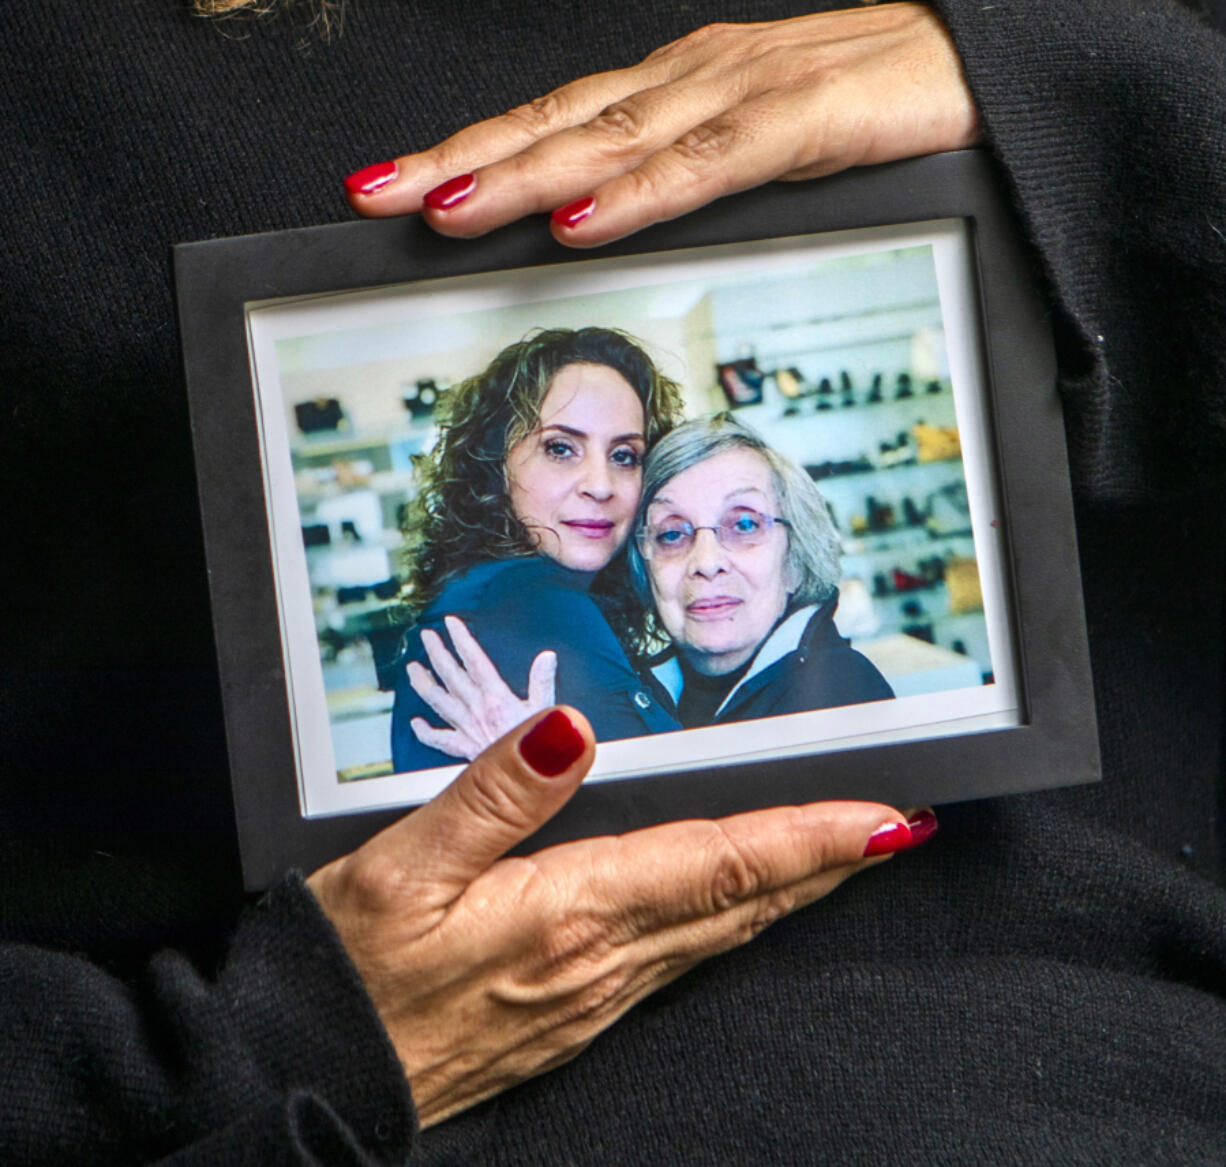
<point x="323" y="18"/>
<point x="461" y="514"/>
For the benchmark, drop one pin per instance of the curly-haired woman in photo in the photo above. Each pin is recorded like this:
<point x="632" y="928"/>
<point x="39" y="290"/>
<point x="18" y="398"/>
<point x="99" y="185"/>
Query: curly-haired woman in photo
<point x="527" y="497"/>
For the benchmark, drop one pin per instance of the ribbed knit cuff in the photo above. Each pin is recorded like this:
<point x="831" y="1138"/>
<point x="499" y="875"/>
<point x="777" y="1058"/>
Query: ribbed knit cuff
<point x="304" y="1017"/>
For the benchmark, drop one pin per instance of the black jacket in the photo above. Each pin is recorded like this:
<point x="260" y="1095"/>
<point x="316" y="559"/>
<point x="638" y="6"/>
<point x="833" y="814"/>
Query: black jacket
<point x="803" y="665"/>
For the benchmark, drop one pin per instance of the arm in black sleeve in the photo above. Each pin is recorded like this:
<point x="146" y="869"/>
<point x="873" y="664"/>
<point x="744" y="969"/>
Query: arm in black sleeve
<point x="1110" y="119"/>
<point x="280" y="1059"/>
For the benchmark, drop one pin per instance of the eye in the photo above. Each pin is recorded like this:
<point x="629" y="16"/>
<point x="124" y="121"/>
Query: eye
<point x="670" y="536"/>
<point x="626" y="457"/>
<point x="559" y="448"/>
<point x="744" y="522"/>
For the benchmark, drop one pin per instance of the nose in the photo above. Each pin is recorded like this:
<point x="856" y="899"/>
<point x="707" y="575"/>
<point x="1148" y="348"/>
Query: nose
<point x="597" y="480"/>
<point x="707" y="557"/>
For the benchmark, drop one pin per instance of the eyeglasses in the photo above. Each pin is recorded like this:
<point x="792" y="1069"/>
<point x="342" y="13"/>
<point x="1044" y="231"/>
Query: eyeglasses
<point x="739" y="529"/>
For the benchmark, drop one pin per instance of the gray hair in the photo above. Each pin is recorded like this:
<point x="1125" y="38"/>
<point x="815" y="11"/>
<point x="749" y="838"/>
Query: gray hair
<point x="814" y="548"/>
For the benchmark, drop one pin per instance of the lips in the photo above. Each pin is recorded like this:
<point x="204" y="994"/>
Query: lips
<point x="712" y="607"/>
<point x="590" y="528"/>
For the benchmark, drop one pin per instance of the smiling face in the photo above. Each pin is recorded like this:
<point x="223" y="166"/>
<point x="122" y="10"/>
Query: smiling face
<point x="719" y="604"/>
<point x="574" y="481"/>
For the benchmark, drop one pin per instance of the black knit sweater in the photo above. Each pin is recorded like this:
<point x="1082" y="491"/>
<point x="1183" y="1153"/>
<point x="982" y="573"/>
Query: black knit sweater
<point x="1043" y="983"/>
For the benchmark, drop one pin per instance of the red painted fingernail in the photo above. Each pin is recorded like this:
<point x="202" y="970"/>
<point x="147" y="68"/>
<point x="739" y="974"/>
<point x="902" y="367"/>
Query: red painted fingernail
<point x="371" y="178"/>
<point x="450" y="193"/>
<point x="574" y="213"/>
<point x="887" y="839"/>
<point x="552" y="745"/>
<point x="923" y="826"/>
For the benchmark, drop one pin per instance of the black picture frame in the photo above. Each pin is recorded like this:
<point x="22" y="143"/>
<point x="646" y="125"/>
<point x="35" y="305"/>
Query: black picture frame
<point x="1056" y="740"/>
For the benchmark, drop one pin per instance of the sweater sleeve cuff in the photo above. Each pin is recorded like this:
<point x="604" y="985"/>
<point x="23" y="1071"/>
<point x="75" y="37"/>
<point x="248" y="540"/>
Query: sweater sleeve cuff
<point x="306" y="1020"/>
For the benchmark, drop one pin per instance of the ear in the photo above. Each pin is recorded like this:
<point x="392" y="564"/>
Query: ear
<point x="791" y="574"/>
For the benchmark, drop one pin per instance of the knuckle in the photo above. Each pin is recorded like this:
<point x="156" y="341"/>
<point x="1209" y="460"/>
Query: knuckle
<point x="576" y="945"/>
<point x="736" y="876"/>
<point x="484" y="792"/>
<point x="526" y="883"/>
<point x="737" y="927"/>
<point x="621" y="123"/>
<point x="706" y="36"/>
<point x="542" y="115"/>
<point x="451" y="156"/>
<point x="699" y="43"/>
<point x="768" y="909"/>
<point x="653" y="184"/>
<point x="764" y="910"/>
<point x="703" y="145"/>
<point x="371" y="883"/>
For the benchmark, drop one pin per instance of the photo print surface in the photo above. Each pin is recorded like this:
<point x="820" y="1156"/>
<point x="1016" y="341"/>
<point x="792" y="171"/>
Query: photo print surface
<point x="749" y="509"/>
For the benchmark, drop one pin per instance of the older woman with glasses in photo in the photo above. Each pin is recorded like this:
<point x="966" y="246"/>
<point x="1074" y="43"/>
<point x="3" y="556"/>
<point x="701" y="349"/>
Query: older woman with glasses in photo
<point x="738" y="561"/>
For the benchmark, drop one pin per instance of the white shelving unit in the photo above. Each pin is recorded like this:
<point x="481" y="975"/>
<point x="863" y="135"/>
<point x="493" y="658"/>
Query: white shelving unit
<point x="359" y="507"/>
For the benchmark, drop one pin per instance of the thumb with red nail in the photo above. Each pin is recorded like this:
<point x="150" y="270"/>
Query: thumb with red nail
<point x="487" y="970"/>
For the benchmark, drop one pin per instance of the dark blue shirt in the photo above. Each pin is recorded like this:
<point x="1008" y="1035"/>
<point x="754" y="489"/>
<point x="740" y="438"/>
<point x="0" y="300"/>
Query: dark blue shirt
<point x="517" y="608"/>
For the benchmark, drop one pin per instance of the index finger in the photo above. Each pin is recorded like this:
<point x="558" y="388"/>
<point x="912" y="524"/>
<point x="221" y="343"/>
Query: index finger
<point x="448" y="670"/>
<point x="664" y="876"/>
<point x="473" y="657"/>
<point x="397" y="187"/>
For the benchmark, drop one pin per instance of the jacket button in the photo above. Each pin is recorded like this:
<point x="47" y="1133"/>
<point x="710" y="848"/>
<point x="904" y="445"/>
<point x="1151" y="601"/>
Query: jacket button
<point x="642" y="700"/>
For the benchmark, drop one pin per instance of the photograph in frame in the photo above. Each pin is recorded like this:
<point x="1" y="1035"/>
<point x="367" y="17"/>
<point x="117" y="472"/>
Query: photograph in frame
<point x="869" y="367"/>
<point x="848" y="354"/>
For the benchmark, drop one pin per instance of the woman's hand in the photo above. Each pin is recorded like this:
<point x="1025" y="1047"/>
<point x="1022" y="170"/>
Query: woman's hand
<point x="726" y="108"/>
<point x="487" y="971"/>
<point x="470" y="694"/>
